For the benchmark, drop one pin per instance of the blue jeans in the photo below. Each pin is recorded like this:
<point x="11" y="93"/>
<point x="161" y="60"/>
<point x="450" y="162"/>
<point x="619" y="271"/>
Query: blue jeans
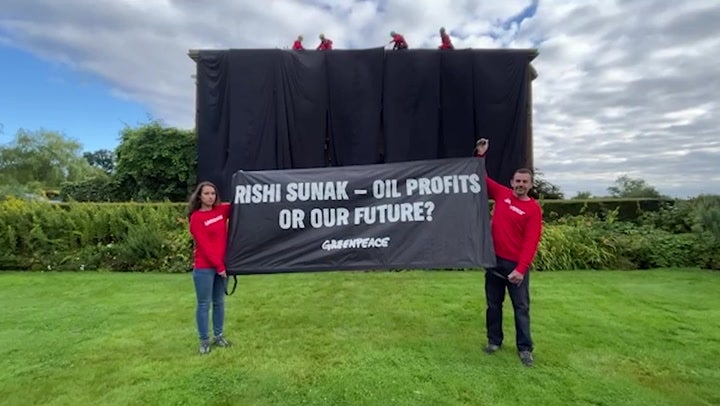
<point x="209" y="286"/>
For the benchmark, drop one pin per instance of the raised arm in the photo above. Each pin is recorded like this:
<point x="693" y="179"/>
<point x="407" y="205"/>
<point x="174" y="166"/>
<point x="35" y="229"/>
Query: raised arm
<point x="494" y="188"/>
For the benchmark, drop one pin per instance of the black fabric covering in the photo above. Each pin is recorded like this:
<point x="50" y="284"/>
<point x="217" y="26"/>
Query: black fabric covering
<point x="211" y="129"/>
<point x="457" y="131"/>
<point x="411" y="105"/>
<point x="278" y="109"/>
<point x="355" y="83"/>
<point x="260" y="109"/>
<point x="251" y="119"/>
<point x="302" y="107"/>
<point x="501" y="110"/>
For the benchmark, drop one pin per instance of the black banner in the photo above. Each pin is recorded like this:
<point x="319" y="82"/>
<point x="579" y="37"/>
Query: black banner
<point x="409" y="215"/>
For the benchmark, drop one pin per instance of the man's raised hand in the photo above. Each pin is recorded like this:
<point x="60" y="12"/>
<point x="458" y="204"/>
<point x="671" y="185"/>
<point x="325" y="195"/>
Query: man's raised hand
<point x="481" y="146"/>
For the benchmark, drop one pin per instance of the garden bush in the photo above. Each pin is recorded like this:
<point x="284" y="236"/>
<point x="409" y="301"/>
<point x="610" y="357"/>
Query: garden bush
<point x="592" y="242"/>
<point x="116" y="236"/>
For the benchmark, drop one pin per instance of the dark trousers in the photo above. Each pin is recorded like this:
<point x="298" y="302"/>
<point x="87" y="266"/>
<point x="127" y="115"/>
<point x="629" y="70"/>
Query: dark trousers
<point x="495" y="287"/>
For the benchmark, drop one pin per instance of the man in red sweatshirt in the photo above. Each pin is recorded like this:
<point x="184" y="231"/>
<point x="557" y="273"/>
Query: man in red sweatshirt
<point x="516" y="227"/>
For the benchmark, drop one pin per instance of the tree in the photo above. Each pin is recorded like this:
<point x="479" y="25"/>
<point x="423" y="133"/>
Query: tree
<point x="42" y="157"/>
<point x="628" y="187"/>
<point x="542" y="189"/>
<point x="583" y="195"/>
<point x="102" y="158"/>
<point x="156" y="162"/>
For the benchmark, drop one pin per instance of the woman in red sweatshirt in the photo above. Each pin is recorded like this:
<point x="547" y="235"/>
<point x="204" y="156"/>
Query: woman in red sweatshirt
<point x="208" y="226"/>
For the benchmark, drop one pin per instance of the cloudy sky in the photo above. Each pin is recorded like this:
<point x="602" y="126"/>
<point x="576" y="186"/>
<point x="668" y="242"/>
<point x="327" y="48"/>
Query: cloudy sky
<point x="625" y="87"/>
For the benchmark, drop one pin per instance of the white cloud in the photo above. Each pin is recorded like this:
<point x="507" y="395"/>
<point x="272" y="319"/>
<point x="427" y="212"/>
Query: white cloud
<point x="623" y="87"/>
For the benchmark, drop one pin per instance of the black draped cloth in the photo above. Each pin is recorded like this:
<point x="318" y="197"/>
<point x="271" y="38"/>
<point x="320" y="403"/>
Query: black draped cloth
<point x="271" y="109"/>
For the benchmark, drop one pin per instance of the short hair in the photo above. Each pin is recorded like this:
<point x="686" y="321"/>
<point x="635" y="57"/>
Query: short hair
<point x="525" y="170"/>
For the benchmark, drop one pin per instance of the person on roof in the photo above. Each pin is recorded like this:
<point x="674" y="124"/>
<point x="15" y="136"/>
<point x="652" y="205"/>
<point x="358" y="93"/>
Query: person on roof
<point x="398" y="41"/>
<point x="325" y="43"/>
<point x="297" y="45"/>
<point x="446" y="42"/>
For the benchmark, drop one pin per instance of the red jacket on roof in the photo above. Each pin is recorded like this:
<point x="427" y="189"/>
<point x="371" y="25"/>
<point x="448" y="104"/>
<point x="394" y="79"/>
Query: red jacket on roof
<point x="325" y="45"/>
<point x="446" y="43"/>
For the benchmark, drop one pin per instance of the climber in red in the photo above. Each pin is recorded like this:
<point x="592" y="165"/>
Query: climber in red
<point x="446" y="43"/>
<point x="398" y="40"/>
<point x="297" y="45"/>
<point x="325" y="43"/>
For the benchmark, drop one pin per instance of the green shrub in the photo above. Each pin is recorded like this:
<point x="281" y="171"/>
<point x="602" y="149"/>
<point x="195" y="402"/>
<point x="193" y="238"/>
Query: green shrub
<point x="146" y="249"/>
<point x="117" y="236"/>
<point x="675" y="218"/>
<point x="647" y="248"/>
<point x="707" y="226"/>
<point x="567" y="247"/>
<point x="706" y="215"/>
<point x="589" y="242"/>
<point x="706" y="252"/>
<point x="699" y="217"/>
<point x="698" y="214"/>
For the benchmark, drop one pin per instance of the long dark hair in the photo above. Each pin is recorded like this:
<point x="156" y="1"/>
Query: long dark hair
<point x="194" y="204"/>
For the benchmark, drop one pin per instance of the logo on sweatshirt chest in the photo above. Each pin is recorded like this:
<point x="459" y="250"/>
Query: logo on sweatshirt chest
<point x="514" y="208"/>
<point x="213" y="220"/>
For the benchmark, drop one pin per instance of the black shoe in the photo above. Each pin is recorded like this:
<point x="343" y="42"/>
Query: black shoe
<point x="526" y="358"/>
<point x="491" y="348"/>
<point x="220" y="341"/>
<point x="204" y="347"/>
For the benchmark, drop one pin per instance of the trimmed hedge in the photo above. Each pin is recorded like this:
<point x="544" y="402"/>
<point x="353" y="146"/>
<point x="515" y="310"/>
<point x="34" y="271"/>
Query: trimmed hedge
<point x="77" y="236"/>
<point x="97" y="189"/>
<point x="154" y="237"/>
<point x="626" y="209"/>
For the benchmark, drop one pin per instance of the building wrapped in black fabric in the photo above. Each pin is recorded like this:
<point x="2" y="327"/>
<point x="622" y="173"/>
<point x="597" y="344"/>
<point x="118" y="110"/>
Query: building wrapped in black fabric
<point x="267" y="109"/>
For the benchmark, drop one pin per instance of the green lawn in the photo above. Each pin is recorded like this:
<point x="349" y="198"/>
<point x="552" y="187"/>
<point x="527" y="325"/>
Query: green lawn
<point x="369" y="338"/>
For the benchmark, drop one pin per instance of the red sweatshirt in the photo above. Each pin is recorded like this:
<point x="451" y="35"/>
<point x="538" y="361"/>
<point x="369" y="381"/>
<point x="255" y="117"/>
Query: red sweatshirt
<point x="209" y="229"/>
<point x="446" y="43"/>
<point x="325" y="45"/>
<point x="399" y="41"/>
<point x="516" y="225"/>
<point x="297" y="45"/>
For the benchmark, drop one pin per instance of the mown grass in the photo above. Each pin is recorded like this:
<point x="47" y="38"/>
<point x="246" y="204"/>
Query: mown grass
<point x="359" y="338"/>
